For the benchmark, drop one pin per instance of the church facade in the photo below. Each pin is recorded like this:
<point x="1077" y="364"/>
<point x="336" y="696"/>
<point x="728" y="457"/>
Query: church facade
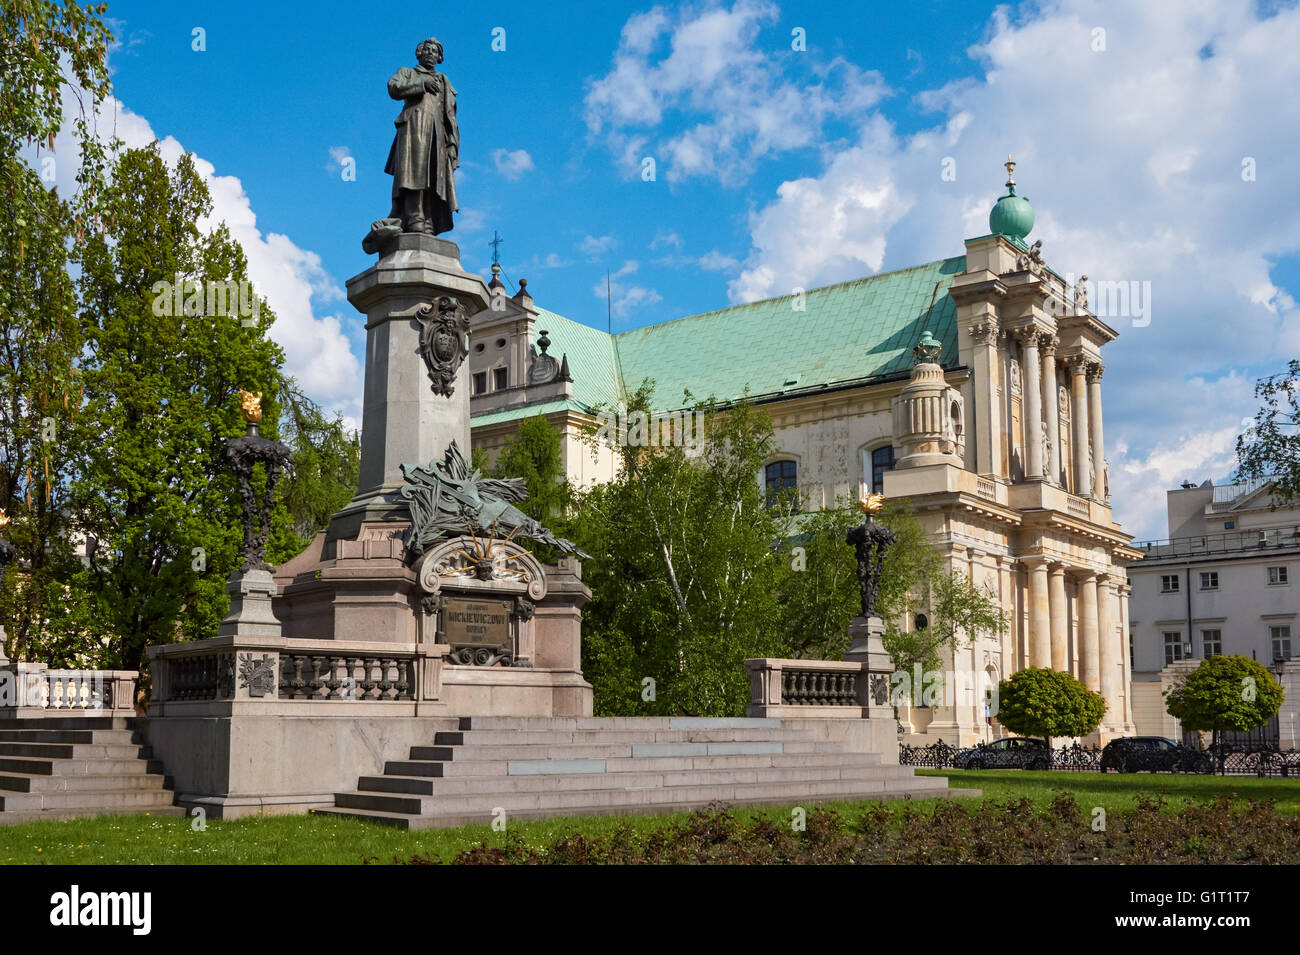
<point x="971" y="386"/>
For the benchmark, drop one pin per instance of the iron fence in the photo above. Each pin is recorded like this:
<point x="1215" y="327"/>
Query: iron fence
<point x="1229" y="759"/>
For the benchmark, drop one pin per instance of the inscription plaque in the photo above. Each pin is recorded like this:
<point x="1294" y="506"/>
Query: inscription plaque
<point x="480" y="623"/>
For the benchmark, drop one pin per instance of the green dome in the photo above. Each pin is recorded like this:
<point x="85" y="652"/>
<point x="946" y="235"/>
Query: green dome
<point x="1012" y="216"/>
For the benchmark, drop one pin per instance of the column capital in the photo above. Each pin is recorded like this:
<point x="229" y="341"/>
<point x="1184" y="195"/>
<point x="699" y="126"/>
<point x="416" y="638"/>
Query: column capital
<point x="1095" y="371"/>
<point x="1047" y="344"/>
<point x="1033" y="561"/>
<point x="1057" y="567"/>
<point x="1027" y="336"/>
<point x="1078" y="364"/>
<point x="1085" y="575"/>
<point x="983" y="331"/>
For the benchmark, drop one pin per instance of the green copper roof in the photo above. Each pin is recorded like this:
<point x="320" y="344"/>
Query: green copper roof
<point x="846" y="333"/>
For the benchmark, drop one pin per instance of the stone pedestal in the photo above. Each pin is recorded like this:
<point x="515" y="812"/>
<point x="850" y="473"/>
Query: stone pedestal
<point x="866" y="636"/>
<point x="250" y="606"/>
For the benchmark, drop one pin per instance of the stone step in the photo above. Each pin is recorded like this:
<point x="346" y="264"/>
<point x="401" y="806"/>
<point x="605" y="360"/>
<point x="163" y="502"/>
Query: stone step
<point x="66" y="767"/>
<point x="432" y="786"/>
<point x="40" y="815"/>
<point x="67" y="723"/>
<point x="681" y="803"/>
<point x="501" y="767"/>
<point x="561" y="800"/>
<point x="26" y="783"/>
<point x="640" y="724"/>
<point x="75" y="750"/>
<point x="100" y="799"/>
<point x="631" y="750"/>
<point x="482" y="737"/>
<point x="114" y="736"/>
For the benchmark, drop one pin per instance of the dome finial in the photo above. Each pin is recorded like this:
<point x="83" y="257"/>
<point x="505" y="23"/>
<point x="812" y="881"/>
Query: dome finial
<point x="1011" y="166"/>
<point x="1012" y="215"/>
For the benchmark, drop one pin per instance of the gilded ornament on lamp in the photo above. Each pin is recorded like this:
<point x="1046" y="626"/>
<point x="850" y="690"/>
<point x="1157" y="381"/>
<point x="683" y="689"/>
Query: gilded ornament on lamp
<point x="251" y="406"/>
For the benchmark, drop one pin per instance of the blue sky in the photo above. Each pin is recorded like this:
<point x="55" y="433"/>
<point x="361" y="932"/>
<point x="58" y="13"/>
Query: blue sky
<point x="775" y="168"/>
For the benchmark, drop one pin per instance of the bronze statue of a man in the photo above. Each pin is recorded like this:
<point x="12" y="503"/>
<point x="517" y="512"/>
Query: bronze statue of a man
<point x="426" y="147"/>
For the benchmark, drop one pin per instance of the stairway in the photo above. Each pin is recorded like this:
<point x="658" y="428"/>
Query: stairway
<point x="64" y="767"/>
<point x="537" y="767"/>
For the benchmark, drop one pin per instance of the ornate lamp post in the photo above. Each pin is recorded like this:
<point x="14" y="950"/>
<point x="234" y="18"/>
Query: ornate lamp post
<point x="240" y="454"/>
<point x="251" y="587"/>
<point x="866" y="631"/>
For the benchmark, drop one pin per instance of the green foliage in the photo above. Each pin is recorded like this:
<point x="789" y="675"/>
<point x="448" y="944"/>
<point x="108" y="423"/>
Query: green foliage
<point x="46" y="50"/>
<point x="684" y="572"/>
<point x="957" y="610"/>
<point x="1038" y="701"/>
<point x="326" y="466"/>
<point x="1271" y="448"/>
<point x="818" y="589"/>
<point x="536" y="456"/>
<point x="1225" y="693"/>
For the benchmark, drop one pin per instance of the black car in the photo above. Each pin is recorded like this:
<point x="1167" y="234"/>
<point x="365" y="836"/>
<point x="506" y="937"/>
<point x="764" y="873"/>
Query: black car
<point x="1154" y="754"/>
<point x="1013" y="752"/>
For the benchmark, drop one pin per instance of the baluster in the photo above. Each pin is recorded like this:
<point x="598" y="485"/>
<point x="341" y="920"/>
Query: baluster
<point x="335" y="683"/>
<point x="316" y="689"/>
<point x="388" y="685"/>
<point x="284" y="685"/>
<point x="403" y="679"/>
<point x="296" y="680"/>
<point x="369" y="685"/>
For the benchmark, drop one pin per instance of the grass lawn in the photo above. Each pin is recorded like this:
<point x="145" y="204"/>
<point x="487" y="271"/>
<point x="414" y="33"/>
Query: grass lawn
<point x="328" y="840"/>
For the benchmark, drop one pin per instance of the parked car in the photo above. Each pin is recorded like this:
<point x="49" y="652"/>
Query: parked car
<point x="1154" y="754"/>
<point x="1013" y="752"/>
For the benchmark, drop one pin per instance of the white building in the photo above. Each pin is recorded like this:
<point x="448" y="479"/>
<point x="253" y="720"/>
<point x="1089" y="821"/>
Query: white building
<point x="1224" y="581"/>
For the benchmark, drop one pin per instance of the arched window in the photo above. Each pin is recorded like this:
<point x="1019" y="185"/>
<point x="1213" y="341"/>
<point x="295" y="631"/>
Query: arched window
<point x="781" y="480"/>
<point x="882" y="460"/>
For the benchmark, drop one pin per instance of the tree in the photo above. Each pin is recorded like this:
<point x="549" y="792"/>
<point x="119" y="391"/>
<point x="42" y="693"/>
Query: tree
<point x="1038" y="701"/>
<point x="958" y="612"/>
<point x="684" y="574"/>
<point x="49" y="53"/>
<point x="1225" y="693"/>
<point x="535" y="455"/>
<point x="1271" y="447"/>
<point x="161" y="391"/>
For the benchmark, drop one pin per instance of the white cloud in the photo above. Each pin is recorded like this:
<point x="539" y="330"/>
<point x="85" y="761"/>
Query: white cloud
<point x="595" y="247"/>
<point x="512" y="164"/>
<point x="1132" y="159"/>
<point x="705" y="67"/>
<point x="290" y="278"/>
<point x="715" y="261"/>
<point x="624" y="297"/>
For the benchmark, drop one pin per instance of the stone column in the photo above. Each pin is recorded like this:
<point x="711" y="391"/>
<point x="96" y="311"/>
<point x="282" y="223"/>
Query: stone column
<point x="1079" y="419"/>
<point x="1089" y="648"/>
<point x="988" y="409"/>
<point x="1094" y="423"/>
<point x="1051" y="408"/>
<point x="1111" y="678"/>
<point x="1060" y="622"/>
<point x="1124" y="591"/>
<point x="1040" y="621"/>
<point x="1033" y="404"/>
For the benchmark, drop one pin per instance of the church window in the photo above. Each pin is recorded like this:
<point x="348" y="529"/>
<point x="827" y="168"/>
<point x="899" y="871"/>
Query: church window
<point x="480" y="382"/>
<point x="882" y="460"/>
<point x="499" y="379"/>
<point x="781" y="480"/>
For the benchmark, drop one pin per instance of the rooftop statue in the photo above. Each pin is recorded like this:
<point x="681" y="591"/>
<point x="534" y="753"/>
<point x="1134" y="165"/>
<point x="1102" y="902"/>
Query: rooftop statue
<point x="450" y="497"/>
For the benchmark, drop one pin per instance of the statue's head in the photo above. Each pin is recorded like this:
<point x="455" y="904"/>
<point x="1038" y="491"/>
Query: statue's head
<point x="429" y="52"/>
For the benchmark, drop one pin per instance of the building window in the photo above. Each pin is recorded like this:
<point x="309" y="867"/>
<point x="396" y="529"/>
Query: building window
<point x="1209" y="580"/>
<point x="1173" y="648"/>
<point x="882" y="460"/>
<point x="1213" y="643"/>
<point x="1229" y="525"/>
<point x="1276" y="575"/>
<point x="480" y="382"/>
<point x="1281" y="642"/>
<point x="781" y="479"/>
<point x="499" y="379"/>
<point x="1169" y="583"/>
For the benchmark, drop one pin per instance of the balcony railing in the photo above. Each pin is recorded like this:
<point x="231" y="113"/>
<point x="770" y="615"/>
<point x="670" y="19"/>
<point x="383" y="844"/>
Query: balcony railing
<point x="1237" y="542"/>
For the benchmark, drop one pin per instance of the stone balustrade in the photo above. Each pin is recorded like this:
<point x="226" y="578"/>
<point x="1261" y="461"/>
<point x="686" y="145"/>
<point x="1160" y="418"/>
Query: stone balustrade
<point x="240" y="673"/>
<point x="33" y="689"/>
<point x="819" y="688"/>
